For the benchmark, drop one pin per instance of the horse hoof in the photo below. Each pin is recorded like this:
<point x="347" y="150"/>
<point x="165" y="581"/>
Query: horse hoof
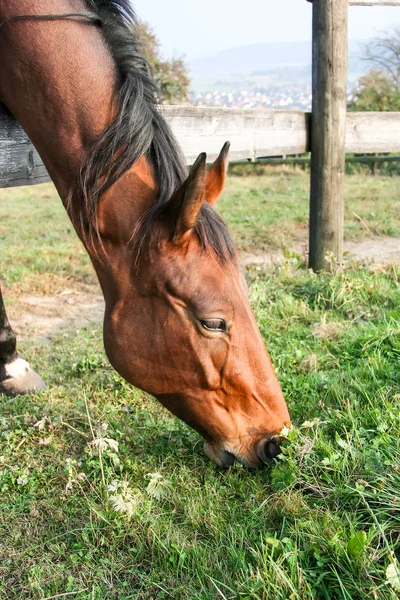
<point x="20" y="379"/>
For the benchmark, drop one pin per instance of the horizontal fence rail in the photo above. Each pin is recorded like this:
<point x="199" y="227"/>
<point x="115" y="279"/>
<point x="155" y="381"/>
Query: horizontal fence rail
<point x="20" y="163"/>
<point x="373" y="132"/>
<point x="370" y="2"/>
<point x="305" y="160"/>
<point x="252" y="133"/>
<point x="374" y="2"/>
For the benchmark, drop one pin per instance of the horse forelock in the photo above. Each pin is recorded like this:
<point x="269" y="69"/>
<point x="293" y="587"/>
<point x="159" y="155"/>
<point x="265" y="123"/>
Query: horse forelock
<point x="211" y="232"/>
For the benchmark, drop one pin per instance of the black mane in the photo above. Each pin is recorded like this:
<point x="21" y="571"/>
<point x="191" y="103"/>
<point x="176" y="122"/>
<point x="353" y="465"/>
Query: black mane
<point x="138" y="130"/>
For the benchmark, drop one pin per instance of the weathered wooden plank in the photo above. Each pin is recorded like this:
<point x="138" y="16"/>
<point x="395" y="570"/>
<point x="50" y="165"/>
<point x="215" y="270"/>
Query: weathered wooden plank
<point x="371" y="2"/>
<point x="373" y="132"/>
<point x="252" y="133"/>
<point x="374" y="2"/>
<point x="328" y="130"/>
<point x="20" y="164"/>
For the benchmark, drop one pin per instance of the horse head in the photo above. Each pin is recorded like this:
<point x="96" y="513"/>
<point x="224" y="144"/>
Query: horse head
<point x="183" y="330"/>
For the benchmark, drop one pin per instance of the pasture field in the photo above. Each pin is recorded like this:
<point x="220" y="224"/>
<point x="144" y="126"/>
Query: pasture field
<point x="105" y="495"/>
<point x="271" y="211"/>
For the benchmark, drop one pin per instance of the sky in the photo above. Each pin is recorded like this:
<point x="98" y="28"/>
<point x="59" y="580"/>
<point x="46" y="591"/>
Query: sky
<point x="195" y="28"/>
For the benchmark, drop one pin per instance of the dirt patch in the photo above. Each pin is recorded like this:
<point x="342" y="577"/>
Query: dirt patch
<point x="382" y="250"/>
<point x="40" y="317"/>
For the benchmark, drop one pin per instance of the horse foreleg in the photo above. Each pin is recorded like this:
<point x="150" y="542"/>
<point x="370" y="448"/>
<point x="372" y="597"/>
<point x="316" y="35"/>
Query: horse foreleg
<point x="16" y="376"/>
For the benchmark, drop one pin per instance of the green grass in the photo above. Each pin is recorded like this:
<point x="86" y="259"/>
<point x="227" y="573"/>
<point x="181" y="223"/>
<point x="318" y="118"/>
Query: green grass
<point x="38" y="246"/>
<point x="323" y="523"/>
<point x="269" y="211"/>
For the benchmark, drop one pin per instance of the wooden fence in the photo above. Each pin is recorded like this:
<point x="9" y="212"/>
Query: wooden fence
<point x="329" y="127"/>
<point x="328" y="133"/>
<point x="373" y="2"/>
<point x="252" y="133"/>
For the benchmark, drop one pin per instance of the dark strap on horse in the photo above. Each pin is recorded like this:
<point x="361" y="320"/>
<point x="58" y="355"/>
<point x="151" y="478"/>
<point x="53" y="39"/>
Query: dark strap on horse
<point x="85" y="18"/>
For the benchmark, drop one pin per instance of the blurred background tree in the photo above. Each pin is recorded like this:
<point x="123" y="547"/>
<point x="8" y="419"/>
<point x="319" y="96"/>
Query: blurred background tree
<point x="171" y="76"/>
<point x="380" y="88"/>
<point x="375" y="91"/>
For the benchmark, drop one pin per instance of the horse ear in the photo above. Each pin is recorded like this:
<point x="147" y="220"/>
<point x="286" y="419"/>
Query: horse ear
<point x="186" y="202"/>
<point x="215" y="179"/>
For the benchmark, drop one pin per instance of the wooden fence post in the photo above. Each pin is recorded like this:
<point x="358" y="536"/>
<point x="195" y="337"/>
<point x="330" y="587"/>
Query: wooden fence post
<point x="328" y="123"/>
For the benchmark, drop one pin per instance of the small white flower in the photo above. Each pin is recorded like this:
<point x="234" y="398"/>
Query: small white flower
<point x="114" y="486"/>
<point x="158" y="487"/>
<point x="310" y="424"/>
<point x="126" y="500"/>
<point x="102" y="443"/>
<point x="123" y="504"/>
<point x="42" y="423"/>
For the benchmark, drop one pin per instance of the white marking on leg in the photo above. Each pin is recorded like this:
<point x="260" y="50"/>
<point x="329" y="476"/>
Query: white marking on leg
<point x="18" y="368"/>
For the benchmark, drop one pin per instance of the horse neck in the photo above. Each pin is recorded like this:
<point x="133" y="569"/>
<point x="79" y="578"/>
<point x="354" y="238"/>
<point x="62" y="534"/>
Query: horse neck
<point x="58" y="80"/>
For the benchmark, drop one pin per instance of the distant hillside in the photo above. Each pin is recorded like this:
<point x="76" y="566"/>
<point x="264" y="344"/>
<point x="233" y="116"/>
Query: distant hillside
<point x="244" y="60"/>
<point x="276" y="60"/>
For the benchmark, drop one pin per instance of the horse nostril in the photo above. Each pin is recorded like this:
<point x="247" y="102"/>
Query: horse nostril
<point x="272" y="450"/>
<point x="269" y="450"/>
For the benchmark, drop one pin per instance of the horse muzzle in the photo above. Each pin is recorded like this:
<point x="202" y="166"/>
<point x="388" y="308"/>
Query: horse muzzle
<point x="262" y="454"/>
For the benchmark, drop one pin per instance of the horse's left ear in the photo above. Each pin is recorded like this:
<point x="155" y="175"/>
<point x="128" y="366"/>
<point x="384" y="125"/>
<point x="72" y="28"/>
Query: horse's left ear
<point x="215" y="178"/>
<point x="184" y="206"/>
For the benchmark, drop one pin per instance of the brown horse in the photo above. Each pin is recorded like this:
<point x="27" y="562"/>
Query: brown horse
<point x="177" y="320"/>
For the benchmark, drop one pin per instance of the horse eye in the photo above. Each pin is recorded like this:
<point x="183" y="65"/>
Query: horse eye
<point x="214" y="325"/>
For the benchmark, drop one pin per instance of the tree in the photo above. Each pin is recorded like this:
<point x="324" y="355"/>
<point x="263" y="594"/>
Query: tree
<point x="375" y="91"/>
<point x="383" y="53"/>
<point x="172" y="75"/>
<point x="380" y="88"/>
